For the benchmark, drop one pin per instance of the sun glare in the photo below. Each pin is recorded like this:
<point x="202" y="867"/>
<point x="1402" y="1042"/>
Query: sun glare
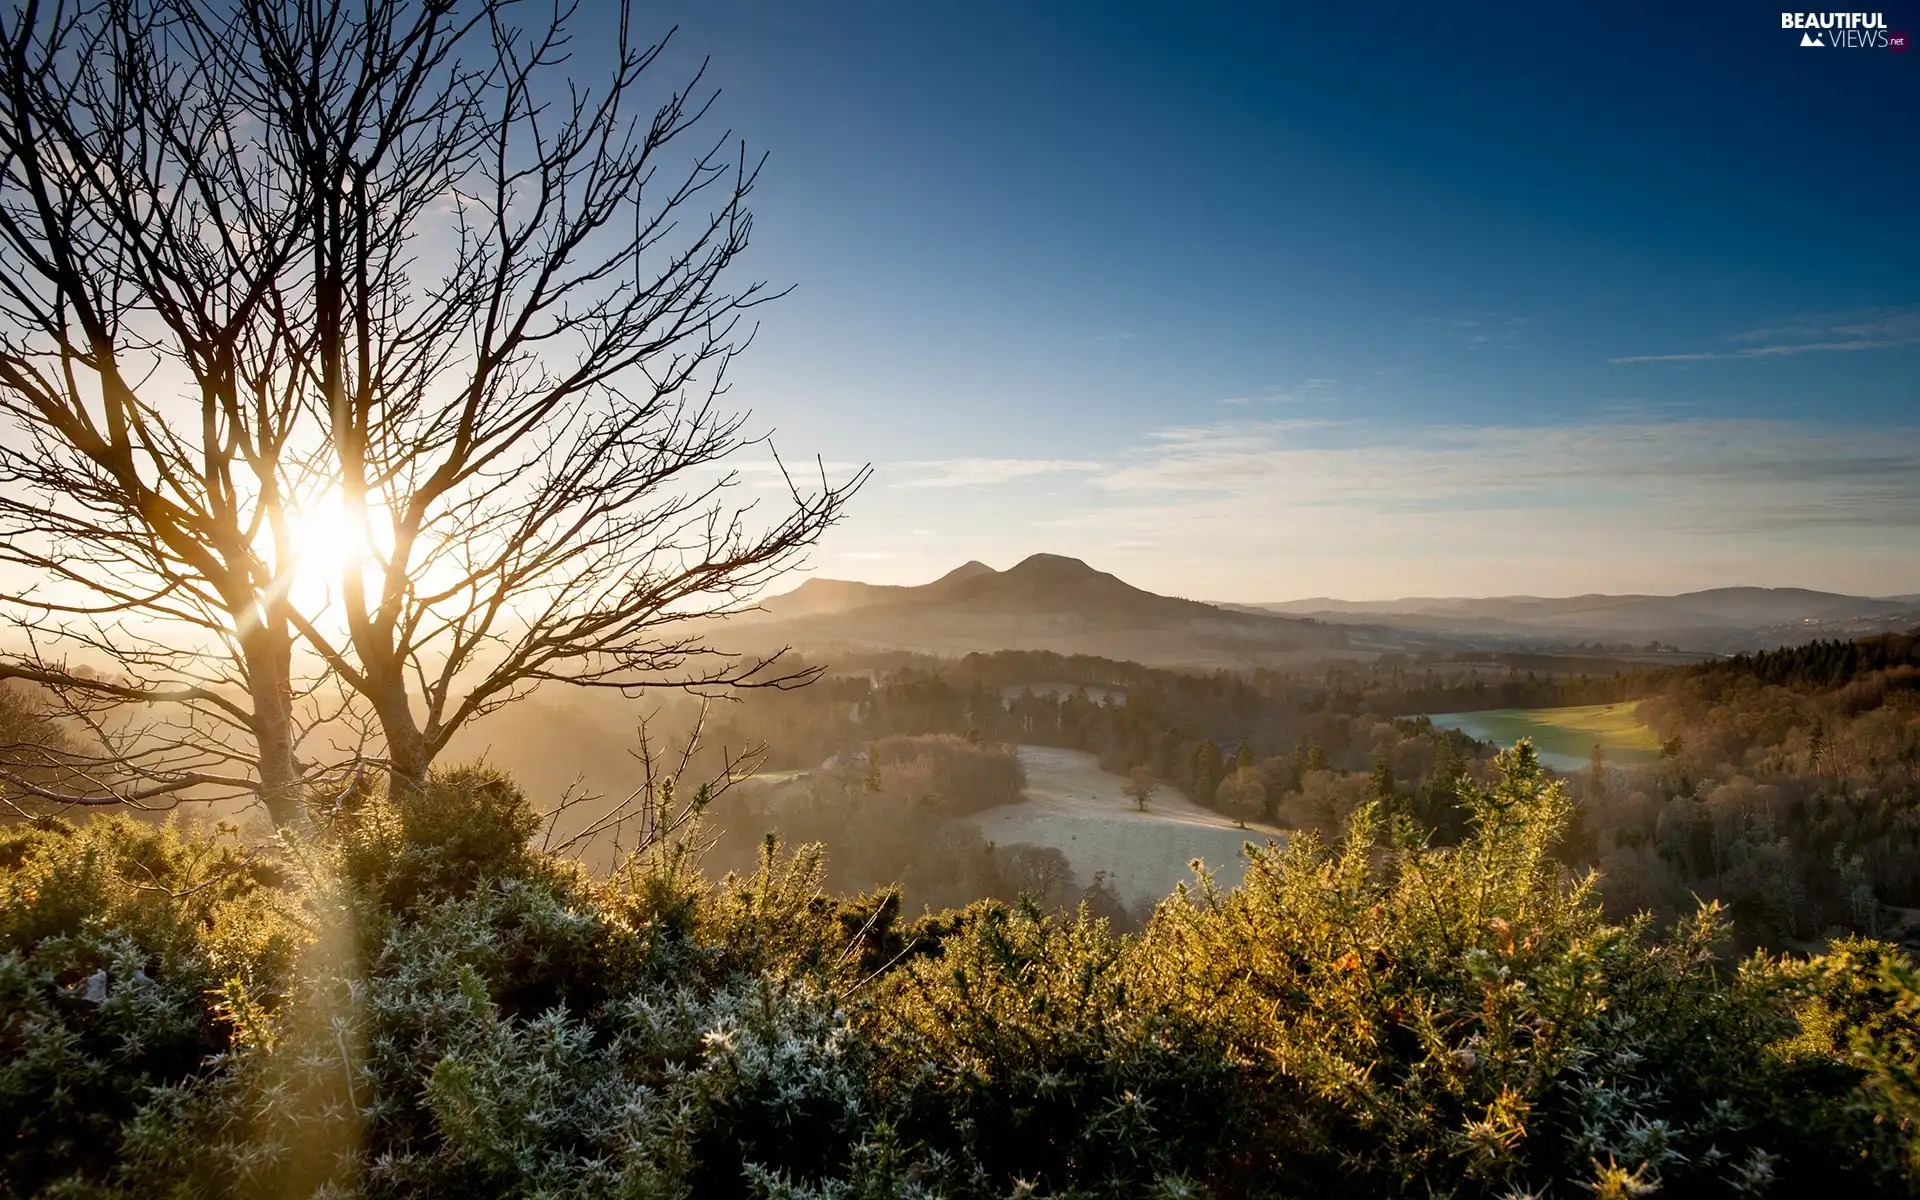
<point x="326" y="543"/>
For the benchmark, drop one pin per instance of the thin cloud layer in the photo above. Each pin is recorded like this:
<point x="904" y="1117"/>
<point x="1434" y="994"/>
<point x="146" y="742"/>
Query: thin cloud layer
<point x="1876" y="329"/>
<point x="1701" y="474"/>
<point x="982" y="472"/>
<point x="1255" y="510"/>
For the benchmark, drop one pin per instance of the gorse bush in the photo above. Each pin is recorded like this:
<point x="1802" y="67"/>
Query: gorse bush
<point x="419" y="1004"/>
<point x="473" y="1018"/>
<point x="1462" y="1019"/>
<point x="129" y="959"/>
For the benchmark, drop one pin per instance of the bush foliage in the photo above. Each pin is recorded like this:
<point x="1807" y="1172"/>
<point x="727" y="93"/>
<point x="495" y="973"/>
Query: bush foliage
<point x="416" y="1003"/>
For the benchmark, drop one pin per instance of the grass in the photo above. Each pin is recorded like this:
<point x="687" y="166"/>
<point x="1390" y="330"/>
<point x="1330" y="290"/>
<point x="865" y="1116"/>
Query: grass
<point x="1565" y="737"/>
<point x="1077" y="808"/>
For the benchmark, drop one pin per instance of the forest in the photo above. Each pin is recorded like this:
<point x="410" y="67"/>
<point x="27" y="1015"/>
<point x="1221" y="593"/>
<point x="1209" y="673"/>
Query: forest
<point x="1786" y="789"/>
<point x="1411" y="994"/>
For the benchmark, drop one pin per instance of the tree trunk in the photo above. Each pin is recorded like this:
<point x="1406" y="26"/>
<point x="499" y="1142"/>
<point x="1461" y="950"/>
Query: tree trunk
<point x="407" y="757"/>
<point x="269" y="660"/>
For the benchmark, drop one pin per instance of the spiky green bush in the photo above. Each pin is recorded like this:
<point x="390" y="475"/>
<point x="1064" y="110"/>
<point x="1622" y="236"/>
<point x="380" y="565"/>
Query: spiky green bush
<point x="1371" y="1017"/>
<point x="473" y="1018"/>
<point x="129" y="955"/>
<point x="1463" y="1020"/>
<point x="419" y="1004"/>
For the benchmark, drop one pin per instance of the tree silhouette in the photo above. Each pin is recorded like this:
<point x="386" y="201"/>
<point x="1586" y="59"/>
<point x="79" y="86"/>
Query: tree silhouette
<point x="391" y="261"/>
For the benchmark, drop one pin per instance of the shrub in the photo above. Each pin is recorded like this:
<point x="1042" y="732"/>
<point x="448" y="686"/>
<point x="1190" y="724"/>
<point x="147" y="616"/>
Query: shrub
<point x="1356" y="1019"/>
<point x="1026" y="1053"/>
<point x="474" y="1018"/>
<point x="1464" y="1018"/>
<point x="424" y="1006"/>
<point x="130" y="957"/>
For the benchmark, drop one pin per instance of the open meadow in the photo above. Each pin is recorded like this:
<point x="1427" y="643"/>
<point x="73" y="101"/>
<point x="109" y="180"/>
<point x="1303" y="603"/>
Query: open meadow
<point x="1564" y="737"/>
<point x="1077" y="808"/>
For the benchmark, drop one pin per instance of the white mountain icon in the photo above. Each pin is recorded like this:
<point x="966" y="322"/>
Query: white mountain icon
<point x="1807" y="39"/>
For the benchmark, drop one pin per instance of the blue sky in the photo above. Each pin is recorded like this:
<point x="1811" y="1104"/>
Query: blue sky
<point x="1248" y="302"/>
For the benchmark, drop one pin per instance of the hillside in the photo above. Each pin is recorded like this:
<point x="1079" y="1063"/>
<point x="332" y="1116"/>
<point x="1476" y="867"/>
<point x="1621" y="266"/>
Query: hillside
<point x="817" y="597"/>
<point x="1045" y="602"/>
<point x="1724" y="620"/>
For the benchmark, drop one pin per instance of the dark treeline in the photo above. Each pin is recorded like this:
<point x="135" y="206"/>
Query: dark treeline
<point x="1790" y="789"/>
<point x="1787" y="788"/>
<point x="1821" y="664"/>
<point x="1191" y="730"/>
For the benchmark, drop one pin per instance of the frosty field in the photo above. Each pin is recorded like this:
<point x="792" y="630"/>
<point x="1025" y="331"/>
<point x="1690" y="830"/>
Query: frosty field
<point x="1079" y="809"/>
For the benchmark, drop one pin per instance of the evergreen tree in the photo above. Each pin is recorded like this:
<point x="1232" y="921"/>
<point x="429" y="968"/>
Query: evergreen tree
<point x="1437" y="802"/>
<point x="1206" y="771"/>
<point x="1380" y="786"/>
<point x="1297" y="766"/>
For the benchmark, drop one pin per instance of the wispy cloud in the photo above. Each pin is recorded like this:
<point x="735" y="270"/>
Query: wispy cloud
<point x="982" y="472"/>
<point x="1874" y="329"/>
<point x="1307" y="391"/>
<point x="1700" y="474"/>
<point x="1265" y="509"/>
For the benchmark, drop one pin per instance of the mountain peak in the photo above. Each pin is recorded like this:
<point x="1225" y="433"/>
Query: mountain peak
<point x="967" y="570"/>
<point x="1058" y="564"/>
<point x="1044" y="602"/>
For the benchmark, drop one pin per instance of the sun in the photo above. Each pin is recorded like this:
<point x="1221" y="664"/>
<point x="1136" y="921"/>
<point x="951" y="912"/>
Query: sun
<point x="325" y="543"/>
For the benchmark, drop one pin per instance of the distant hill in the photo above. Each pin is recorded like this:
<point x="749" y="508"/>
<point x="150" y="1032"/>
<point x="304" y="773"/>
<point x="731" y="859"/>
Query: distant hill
<point x="821" y="596"/>
<point x="1045" y="602"/>
<point x="1725" y="620"/>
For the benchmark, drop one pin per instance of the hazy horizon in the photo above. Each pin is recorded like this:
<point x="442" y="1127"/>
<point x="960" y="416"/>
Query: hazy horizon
<point x="1379" y="599"/>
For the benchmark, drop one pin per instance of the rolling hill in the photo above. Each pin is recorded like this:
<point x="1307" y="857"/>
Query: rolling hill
<point x="1045" y="602"/>
<point x="1722" y="620"/>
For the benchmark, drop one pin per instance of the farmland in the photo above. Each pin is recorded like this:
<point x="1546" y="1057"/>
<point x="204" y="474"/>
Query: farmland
<point x="1564" y="737"/>
<point x="1075" y="807"/>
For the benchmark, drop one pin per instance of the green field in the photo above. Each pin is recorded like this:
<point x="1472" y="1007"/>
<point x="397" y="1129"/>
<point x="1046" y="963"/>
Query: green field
<point x="1564" y="737"/>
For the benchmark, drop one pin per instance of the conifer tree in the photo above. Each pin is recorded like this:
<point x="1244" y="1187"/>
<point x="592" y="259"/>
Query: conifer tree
<point x="1380" y="785"/>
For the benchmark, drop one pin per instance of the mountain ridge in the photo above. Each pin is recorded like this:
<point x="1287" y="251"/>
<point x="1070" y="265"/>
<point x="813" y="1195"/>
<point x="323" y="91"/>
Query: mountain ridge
<point x="1043" y="602"/>
<point x="1056" y="602"/>
<point x="1722" y="620"/>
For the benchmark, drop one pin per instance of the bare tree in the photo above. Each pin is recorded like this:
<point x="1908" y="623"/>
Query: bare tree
<point x="664" y="806"/>
<point x="1140" y="786"/>
<point x="388" y="261"/>
<point x="145" y="496"/>
<point x="1041" y="872"/>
